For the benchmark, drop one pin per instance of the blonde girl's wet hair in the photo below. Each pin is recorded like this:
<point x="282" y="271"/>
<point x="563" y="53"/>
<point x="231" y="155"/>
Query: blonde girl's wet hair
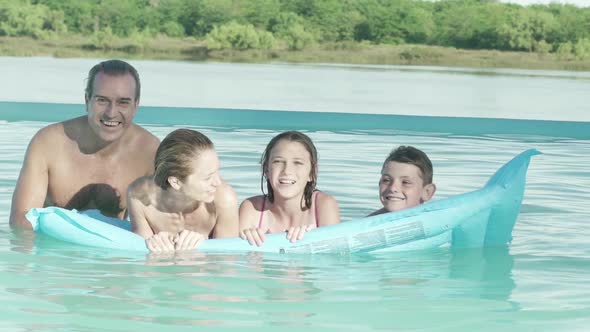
<point x="175" y="155"/>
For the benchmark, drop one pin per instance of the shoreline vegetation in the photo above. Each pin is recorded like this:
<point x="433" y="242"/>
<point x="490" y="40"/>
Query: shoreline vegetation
<point x="452" y="33"/>
<point x="354" y="53"/>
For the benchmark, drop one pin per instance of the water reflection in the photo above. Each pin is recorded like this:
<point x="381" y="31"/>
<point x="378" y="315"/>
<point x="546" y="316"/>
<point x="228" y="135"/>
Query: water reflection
<point x="488" y="269"/>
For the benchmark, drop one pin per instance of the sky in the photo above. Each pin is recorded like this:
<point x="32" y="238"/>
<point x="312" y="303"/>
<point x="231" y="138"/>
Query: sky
<point x="580" y="3"/>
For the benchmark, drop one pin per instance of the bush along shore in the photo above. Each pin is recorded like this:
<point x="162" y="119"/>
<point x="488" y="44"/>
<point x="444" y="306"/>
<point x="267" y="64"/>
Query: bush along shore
<point x="466" y="33"/>
<point x="165" y="48"/>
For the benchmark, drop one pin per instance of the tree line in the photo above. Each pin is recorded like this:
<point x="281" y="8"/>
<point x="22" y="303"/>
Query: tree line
<point x="297" y="24"/>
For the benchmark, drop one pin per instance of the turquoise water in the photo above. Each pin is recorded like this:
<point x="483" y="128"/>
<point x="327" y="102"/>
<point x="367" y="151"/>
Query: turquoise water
<point x="538" y="283"/>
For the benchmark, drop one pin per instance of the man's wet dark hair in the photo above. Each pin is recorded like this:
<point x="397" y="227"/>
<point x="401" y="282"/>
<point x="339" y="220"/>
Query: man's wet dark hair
<point x="115" y="68"/>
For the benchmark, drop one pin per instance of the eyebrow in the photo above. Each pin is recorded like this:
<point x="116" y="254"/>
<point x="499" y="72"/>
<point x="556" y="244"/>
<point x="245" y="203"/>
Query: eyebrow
<point x="282" y="157"/>
<point x="211" y="173"/>
<point x="121" y="99"/>
<point x="401" y="177"/>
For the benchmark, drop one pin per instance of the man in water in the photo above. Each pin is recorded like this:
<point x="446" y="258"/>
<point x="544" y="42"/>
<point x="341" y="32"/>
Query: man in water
<point x="89" y="161"/>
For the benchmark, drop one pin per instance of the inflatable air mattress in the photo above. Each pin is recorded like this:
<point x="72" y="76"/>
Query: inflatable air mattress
<point x="480" y="218"/>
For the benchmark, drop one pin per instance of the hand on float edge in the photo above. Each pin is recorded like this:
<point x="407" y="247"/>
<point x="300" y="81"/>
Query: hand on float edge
<point x="254" y="236"/>
<point x="160" y="242"/>
<point x="188" y="240"/>
<point x="297" y="233"/>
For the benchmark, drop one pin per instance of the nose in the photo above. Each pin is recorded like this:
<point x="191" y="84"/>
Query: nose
<point x="216" y="181"/>
<point x="110" y="110"/>
<point x="394" y="186"/>
<point x="288" y="168"/>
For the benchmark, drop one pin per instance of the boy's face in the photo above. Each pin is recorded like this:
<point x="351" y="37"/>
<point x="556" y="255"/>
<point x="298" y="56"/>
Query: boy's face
<point x="401" y="186"/>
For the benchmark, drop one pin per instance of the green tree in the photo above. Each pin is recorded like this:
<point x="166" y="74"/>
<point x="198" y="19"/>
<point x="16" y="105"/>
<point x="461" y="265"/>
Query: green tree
<point x="78" y="15"/>
<point x="290" y="27"/>
<point x="23" y="19"/>
<point x="214" y="13"/>
<point x="172" y="29"/>
<point x="467" y="24"/>
<point x="582" y="49"/>
<point x="565" y="51"/>
<point x="260" y="12"/>
<point x="542" y="47"/>
<point x="516" y="33"/>
<point x="543" y="24"/>
<point x="573" y="23"/>
<point x="525" y="27"/>
<point x="328" y="20"/>
<point x="102" y="39"/>
<point x="238" y="36"/>
<point x="123" y="17"/>
<point x="174" y="18"/>
<point x="394" y="22"/>
<point x="470" y="24"/>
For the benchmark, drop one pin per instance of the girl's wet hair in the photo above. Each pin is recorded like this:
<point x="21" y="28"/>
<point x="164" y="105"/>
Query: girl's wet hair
<point x="291" y="136"/>
<point x="175" y="155"/>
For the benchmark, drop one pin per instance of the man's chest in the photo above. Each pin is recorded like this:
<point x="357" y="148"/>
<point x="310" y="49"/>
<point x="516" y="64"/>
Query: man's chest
<point x="78" y="180"/>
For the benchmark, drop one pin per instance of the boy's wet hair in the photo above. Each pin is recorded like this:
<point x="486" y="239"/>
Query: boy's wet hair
<point x="176" y="153"/>
<point x="292" y="136"/>
<point x="114" y="68"/>
<point x="410" y="155"/>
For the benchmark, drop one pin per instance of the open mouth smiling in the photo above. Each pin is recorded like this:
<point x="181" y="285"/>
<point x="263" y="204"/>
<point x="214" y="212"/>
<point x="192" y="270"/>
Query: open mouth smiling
<point x="393" y="198"/>
<point x="110" y="123"/>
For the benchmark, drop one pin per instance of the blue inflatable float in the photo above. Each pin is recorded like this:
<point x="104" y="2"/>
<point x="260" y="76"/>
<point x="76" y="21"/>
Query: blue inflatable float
<point x="480" y="218"/>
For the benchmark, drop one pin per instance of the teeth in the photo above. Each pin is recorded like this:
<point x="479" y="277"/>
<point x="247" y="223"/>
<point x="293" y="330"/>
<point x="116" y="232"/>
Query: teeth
<point x="110" y="123"/>
<point x="286" y="182"/>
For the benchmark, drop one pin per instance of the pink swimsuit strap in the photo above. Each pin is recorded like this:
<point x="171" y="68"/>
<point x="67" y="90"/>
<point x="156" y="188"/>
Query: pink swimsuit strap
<point x="315" y="210"/>
<point x="262" y="211"/>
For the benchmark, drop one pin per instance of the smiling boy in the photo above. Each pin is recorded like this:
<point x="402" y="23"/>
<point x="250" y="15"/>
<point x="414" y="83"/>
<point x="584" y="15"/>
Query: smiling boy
<point x="406" y="180"/>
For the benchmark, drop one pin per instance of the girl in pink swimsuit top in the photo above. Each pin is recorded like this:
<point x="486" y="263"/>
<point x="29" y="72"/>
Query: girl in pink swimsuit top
<point x="292" y="203"/>
<point x="315" y="210"/>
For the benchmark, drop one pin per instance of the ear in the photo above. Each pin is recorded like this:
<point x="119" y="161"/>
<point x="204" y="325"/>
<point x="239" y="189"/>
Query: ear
<point x="135" y="107"/>
<point x="428" y="191"/>
<point x="174" y="182"/>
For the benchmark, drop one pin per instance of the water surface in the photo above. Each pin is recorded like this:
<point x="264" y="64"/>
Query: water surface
<point x="538" y="283"/>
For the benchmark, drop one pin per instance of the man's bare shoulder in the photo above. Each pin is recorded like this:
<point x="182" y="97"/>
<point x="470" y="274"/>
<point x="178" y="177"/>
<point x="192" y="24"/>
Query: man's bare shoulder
<point x="56" y="134"/>
<point x="142" y="137"/>
<point x="52" y="132"/>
